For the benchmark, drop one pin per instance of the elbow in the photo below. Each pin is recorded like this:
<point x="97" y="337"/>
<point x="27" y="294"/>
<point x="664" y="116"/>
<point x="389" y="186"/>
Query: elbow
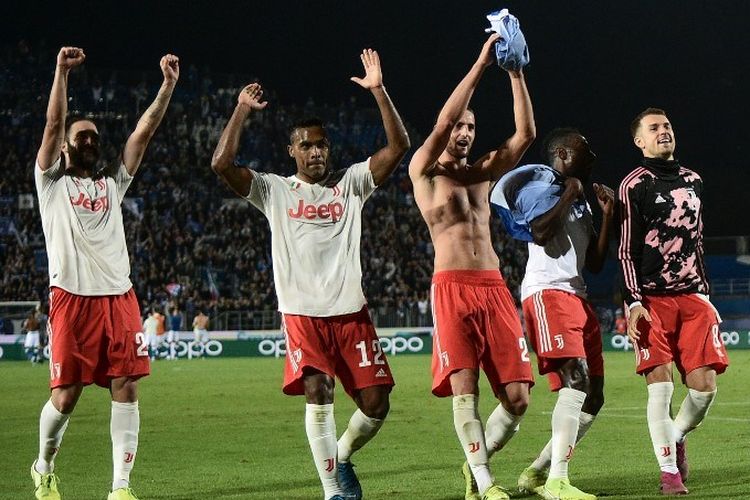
<point x="528" y="135"/>
<point x="403" y="144"/>
<point x="444" y="126"/>
<point x="55" y="122"/>
<point x="219" y="166"/>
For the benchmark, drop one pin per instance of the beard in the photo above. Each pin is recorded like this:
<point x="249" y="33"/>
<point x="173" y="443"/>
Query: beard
<point x="84" y="157"/>
<point x="457" y="152"/>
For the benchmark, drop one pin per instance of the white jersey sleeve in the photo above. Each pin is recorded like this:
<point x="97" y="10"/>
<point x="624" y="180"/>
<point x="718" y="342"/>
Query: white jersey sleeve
<point x="122" y="179"/>
<point x="260" y="190"/>
<point x="359" y="176"/>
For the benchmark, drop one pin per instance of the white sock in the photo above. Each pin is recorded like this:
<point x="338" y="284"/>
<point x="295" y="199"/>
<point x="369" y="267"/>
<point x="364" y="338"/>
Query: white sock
<point x="501" y="426"/>
<point x="123" y="428"/>
<point x="544" y="459"/>
<point x="693" y="410"/>
<point x="360" y="430"/>
<point x="660" y="425"/>
<point x="565" y="419"/>
<point x="471" y="435"/>
<point x="52" y="425"/>
<point x="321" y="434"/>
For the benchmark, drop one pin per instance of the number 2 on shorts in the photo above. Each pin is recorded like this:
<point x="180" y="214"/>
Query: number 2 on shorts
<point x="140" y="339"/>
<point x="524" y="349"/>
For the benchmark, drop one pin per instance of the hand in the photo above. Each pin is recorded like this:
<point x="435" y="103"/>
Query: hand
<point x="170" y="68"/>
<point x="70" y="57"/>
<point x="636" y="313"/>
<point x="487" y="55"/>
<point x="606" y="198"/>
<point x="251" y="96"/>
<point x="574" y="185"/>
<point x="373" y="74"/>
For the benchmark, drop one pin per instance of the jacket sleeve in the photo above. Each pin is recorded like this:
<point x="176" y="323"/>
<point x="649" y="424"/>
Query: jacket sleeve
<point x="632" y="236"/>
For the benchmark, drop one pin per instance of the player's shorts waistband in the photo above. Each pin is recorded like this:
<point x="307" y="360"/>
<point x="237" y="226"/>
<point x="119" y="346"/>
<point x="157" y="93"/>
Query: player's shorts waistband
<point x="490" y="277"/>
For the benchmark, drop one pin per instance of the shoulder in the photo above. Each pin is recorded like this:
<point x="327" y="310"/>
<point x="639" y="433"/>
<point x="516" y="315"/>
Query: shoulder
<point x="337" y="175"/>
<point x="635" y="178"/>
<point x="690" y="175"/>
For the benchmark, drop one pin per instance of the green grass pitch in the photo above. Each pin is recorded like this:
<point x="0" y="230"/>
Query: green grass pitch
<point x="221" y="429"/>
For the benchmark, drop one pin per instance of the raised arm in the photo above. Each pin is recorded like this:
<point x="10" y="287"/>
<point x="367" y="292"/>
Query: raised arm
<point x="426" y="156"/>
<point x="57" y="108"/>
<point x="596" y="253"/>
<point x="136" y="145"/>
<point x="385" y="160"/>
<point x="237" y="178"/>
<point x="504" y="158"/>
<point x="544" y="227"/>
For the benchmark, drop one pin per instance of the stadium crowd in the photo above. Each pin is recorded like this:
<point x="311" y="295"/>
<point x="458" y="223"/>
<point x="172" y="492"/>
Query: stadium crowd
<point x="192" y="244"/>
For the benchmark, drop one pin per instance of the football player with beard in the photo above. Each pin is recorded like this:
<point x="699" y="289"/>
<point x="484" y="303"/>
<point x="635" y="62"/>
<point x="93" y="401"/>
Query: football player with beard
<point x="94" y="321"/>
<point x="476" y="322"/>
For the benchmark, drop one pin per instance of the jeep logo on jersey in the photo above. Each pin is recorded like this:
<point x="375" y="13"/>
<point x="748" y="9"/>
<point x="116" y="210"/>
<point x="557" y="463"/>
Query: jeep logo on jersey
<point x="96" y="205"/>
<point x="332" y="211"/>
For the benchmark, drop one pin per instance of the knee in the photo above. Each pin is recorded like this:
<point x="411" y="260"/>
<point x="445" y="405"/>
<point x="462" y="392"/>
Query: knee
<point x="64" y="401"/>
<point x="464" y="381"/>
<point x="374" y="402"/>
<point x="319" y="389"/>
<point x="377" y="409"/>
<point x="124" y="390"/>
<point x="518" y="404"/>
<point x="575" y="375"/>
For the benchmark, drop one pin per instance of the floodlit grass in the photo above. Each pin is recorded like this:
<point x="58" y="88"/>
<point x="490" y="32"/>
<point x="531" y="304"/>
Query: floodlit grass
<point x="221" y="429"/>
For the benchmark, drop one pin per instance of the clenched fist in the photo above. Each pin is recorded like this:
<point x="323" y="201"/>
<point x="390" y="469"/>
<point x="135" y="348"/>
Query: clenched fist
<point x="70" y="57"/>
<point x="170" y="68"/>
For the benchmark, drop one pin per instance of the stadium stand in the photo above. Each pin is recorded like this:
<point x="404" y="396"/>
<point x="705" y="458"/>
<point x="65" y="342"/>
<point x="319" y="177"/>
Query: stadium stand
<point x="192" y="243"/>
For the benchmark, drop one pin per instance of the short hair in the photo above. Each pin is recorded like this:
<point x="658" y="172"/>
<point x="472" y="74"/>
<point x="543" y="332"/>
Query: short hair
<point x="556" y="138"/>
<point x="308" y="122"/>
<point x="73" y="118"/>
<point x="636" y="123"/>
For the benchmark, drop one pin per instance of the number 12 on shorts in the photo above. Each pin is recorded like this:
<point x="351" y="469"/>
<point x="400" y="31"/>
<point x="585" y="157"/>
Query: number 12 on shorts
<point x="376" y="349"/>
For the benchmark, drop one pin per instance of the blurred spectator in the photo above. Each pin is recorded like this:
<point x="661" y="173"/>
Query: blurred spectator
<point x="192" y="245"/>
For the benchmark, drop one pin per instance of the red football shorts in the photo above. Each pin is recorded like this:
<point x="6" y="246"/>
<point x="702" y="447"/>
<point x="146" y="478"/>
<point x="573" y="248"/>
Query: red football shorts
<point x="476" y="324"/>
<point x="684" y="329"/>
<point x="560" y="326"/>
<point x="95" y="339"/>
<point x="343" y="346"/>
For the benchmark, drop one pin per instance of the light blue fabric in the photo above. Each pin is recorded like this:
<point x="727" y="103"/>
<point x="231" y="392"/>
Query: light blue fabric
<point x="528" y="192"/>
<point x="511" y="50"/>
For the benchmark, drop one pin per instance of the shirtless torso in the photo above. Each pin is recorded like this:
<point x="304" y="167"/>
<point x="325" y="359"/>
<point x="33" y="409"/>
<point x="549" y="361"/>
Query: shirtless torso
<point x="454" y="204"/>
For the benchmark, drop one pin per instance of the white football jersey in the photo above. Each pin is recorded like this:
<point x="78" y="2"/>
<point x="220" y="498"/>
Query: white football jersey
<point x="150" y="325"/>
<point x="315" y="239"/>
<point x="83" y="230"/>
<point x="558" y="265"/>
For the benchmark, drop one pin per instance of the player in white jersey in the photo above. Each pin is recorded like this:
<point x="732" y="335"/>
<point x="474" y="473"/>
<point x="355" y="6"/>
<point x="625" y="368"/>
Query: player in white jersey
<point x="315" y="219"/>
<point x="150" y="328"/>
<point x="94" y="321"/>
<point x="561" y="324"/>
